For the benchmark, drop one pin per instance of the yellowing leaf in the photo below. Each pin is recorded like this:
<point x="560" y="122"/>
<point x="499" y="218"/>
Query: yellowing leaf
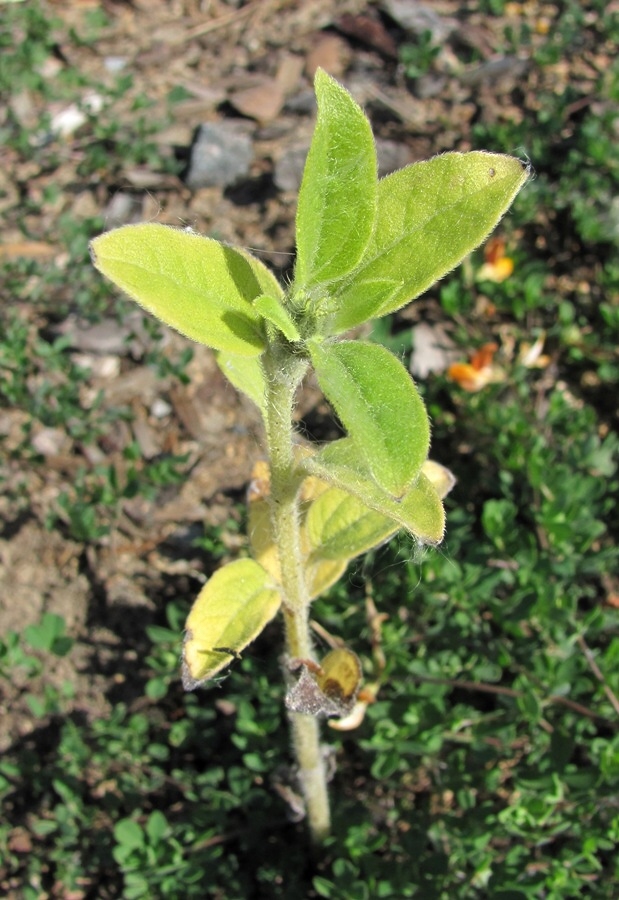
<point x="229" y="613"/>
<point x="320" y="574"/>
<point x="260" y="534"/>
<point x="440" y="477"/>
<point x="341" y="526"/>
<point x="328" y="689"/>
<point x="340" y="675"/>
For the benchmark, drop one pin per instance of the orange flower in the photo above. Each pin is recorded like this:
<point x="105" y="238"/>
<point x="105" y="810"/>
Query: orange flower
<point x="480" y="371"/>
<point x="497" y="267"/>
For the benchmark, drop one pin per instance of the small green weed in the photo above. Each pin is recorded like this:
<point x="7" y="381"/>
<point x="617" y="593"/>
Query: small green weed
<point x="417" y="58"/>
<point x="19" y="665"/>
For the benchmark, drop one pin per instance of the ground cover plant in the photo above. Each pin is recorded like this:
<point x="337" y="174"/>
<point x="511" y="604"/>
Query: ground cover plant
<point x="487" y="767"/>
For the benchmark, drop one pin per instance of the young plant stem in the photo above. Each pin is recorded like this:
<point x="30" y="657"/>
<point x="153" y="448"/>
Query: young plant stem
<point x="283" y="375"/>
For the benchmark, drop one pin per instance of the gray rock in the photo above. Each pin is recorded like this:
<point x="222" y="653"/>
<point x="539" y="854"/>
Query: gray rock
<point x="430" y="85"/>
<point x="504" y="67"/>
<point x="220" y="156"/>
<point x="417" y="18"/>
<point x="392" y="155"/>
<point x="120" y="209"/>
<point x="302" y="103"/>
<point x="289" y="168"/>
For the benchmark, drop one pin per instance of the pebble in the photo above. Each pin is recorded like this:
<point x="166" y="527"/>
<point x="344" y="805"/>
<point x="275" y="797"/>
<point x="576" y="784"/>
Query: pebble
<point x="289" y="168"/>
<point x="221" y="155"/>
<point x="417" y="18"/>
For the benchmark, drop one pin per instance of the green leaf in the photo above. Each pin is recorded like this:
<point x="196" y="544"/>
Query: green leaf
<point x="340" y="526"/>
<point x="277" y="314"/>
<point x="245" y="373"/>
<point x="129" y="834"/>
<point x="46" y="633"/>
<point x="229" y="613"/>
<point x="157" y="827"/>
<point x="198" y="286"/>
<point x="337" y="199"/>
<point x="378" y="403"/>
<point x="419" y="511"/>
<point x="430" y="215"/>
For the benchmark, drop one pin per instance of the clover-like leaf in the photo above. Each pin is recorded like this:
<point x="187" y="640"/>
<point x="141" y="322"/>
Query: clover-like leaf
<point x="198" y="286"/>
<point x="378" y="403"/>
<point x="230" y="611"/>
<point x="337" y="199"/>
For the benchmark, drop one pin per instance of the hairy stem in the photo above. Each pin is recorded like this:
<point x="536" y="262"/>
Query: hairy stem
<point x="283" y="374"/>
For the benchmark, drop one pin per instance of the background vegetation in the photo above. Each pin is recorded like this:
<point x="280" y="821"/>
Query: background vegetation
<point x="489" y="765"/>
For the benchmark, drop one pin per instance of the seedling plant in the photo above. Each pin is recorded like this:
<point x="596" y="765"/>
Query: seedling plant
<point x="365" y="248"/>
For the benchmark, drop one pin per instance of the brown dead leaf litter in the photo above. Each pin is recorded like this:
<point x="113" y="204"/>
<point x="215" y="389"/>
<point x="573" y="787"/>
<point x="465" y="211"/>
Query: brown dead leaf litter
<point x="251" y="63"/>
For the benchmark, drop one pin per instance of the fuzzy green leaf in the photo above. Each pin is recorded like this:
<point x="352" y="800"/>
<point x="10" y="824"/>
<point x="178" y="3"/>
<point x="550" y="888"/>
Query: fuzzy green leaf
<point x="430" y="216"/>
<point x="229" y="613"/>
<point x="378" y="403"/>
<point x="245" y="373"/>
<point x="198" y="286"/>
<point x="337" y="199"/>
<point x="419" y="511"/>
<point x="277" y="314"/>
<point x="340" y="526"/>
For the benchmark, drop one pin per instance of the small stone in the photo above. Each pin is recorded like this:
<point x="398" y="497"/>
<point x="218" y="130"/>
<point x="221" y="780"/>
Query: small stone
<point x="289" y="168"/>
<point x="262" y="102"/>
<point x="391" y="155"/>
<point x="417" y="18"/>
<point x="115" y="63"/>
<point x="220" y="156"/>
<point x="303" y="103"/>
<point x="50" y="441"/>
<point x="120" y="209"/>
<point x="160" y="408"/>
